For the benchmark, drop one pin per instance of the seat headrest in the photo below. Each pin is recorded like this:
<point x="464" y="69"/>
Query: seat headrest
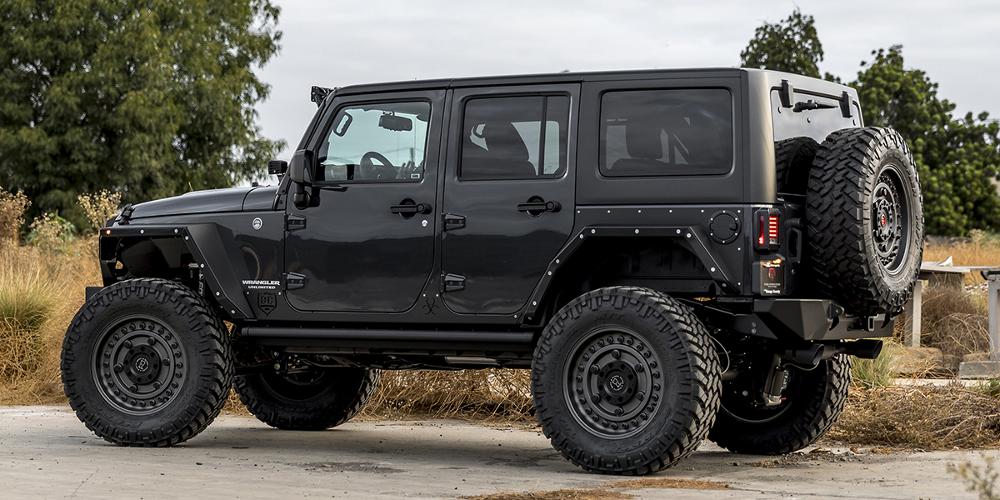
<point x="642" y="139"/>
<point x="502" y="140"/>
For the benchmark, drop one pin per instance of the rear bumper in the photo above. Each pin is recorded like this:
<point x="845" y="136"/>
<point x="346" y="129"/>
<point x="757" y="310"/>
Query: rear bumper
<point x="803" y="319"/>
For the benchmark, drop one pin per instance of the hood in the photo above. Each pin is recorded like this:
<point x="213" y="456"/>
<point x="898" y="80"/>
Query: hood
<point x="196" y="202"/>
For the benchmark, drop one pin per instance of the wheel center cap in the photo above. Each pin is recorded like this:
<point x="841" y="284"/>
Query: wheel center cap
<point x="616" y="383"/>
<point x="141" y="364"/>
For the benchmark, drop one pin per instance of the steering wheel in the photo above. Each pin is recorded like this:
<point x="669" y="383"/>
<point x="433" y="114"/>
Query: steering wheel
<point x="371" y="171"/>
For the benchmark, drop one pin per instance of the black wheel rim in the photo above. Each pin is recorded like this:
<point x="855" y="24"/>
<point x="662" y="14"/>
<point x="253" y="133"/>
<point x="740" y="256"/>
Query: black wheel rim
<point x="614" y="383"/>
<point x="740" y="401"/>
<point x="298" y="385"/>
<point x="891" y="219"/>
<point x="139" y="365"/>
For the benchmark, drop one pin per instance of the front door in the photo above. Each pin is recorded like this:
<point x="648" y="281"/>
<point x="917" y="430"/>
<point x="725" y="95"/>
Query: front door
<point x="366" y="242"/>
<point x="509" y="193"/>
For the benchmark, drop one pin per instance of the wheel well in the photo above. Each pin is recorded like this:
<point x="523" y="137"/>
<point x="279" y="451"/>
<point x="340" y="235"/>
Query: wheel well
<point x="166" y="258"/>
<point x="663" y="264"/>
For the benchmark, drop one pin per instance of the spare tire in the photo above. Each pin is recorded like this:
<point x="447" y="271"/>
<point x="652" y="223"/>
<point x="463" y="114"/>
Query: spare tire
<point x="864" y="220"/>
<point x="793" y="159"/>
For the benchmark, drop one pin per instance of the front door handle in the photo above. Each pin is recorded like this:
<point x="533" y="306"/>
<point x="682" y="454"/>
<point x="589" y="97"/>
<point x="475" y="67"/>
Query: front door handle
<point x="409" y="208"/>
<point x="536" y="205"/>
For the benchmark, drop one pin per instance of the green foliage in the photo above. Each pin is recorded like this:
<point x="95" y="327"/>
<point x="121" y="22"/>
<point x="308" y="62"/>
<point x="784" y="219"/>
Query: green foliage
<point x="790" y="45"/>
<point x="957" y="158"/>
<point x="147" y="98"/>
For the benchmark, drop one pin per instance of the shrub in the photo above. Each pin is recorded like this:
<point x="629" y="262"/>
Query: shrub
<point x="12" y="208"/>
<point x="50" y="233"/>
<point x="99" y="207"/>
<point x="872" y="373"/>
<point x="979" y="480"/>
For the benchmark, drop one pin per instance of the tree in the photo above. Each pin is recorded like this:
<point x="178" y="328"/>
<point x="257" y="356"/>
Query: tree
<point x="957" y="159"/>
<point x="148" y="98"/>
<point x="790" y="45"/>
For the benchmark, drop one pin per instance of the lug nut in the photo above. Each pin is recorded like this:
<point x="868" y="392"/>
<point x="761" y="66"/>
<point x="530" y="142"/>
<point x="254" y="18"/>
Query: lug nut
<point x="151" y="341"/>
<point x="616" y="354"/>
<point x="119" y="367"/>
<point x="619" y="411"/>
<point x="639" y="368"/>
<point x="127" y="344"/>
<point x="595" y="369"/>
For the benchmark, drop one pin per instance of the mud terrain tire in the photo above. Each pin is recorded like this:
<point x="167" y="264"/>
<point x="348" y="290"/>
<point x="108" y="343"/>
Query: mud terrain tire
<point x="814" y="400"/>
<point x="865" y="223"/>
<point x="327" y="399"/>
<point x="145" y="362"/>
<point x="625" y="381"/>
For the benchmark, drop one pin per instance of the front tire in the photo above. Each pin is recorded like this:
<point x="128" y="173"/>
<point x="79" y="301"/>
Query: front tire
<point x="145" y="362"/>
<point x="812" y="401"/>
<point x="625" y="381"/>
<point x="313" y="400"/>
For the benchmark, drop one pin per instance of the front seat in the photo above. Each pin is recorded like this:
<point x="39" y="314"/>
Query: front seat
<point x="505" y="157"/>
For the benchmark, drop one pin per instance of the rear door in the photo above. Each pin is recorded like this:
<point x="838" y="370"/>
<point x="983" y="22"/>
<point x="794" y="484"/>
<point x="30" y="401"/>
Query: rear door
<point x="509" y="193"/>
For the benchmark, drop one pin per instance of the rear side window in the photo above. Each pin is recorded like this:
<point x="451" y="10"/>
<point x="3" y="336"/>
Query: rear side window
<point x="514" y="137"/>
<point x="666" y="132"/>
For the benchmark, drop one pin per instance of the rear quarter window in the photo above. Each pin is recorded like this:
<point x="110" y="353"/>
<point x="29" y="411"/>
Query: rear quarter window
<point x="666" y="132"/>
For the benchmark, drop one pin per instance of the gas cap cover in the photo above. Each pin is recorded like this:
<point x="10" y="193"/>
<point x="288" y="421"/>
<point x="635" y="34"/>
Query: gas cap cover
<point x="724" y="227"/>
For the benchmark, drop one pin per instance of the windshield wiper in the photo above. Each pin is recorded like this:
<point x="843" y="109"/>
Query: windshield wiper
<point x="810" y="104"/>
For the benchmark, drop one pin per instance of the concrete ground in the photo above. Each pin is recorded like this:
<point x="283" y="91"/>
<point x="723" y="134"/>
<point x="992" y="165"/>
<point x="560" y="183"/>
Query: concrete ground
<point x="47" y="452"/>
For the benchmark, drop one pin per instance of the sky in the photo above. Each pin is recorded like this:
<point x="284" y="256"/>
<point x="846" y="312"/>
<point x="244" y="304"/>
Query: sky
<point x="338" y="43"/>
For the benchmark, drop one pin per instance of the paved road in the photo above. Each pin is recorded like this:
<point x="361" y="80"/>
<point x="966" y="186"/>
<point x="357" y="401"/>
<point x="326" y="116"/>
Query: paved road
<point x="46" y="452"/>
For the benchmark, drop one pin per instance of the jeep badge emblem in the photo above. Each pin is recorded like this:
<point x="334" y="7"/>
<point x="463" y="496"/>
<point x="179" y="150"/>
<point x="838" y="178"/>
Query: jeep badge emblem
<point x="256" y="224"/>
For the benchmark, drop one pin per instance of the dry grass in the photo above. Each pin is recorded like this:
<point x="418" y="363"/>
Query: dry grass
<point x="40" y="292"/>
<point x="928" y="418"/>
<point x="473" y="394"/>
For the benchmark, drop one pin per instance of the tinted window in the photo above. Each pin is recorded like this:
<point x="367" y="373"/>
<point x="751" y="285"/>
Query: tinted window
<point x="666" y="132"/>
<point x="381" y="142"/>
<point x="503" y="137"/>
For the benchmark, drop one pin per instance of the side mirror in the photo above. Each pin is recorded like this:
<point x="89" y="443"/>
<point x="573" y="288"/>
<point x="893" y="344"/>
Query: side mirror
<point x="300" y="171"/>
<point x="277" y="167"/>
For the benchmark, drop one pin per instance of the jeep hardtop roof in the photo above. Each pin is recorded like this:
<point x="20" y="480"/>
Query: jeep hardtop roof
<point x="771" y="78"/>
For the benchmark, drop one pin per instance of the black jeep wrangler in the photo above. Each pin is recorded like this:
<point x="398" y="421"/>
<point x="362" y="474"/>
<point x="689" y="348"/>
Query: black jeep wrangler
<point x="673" y="254"/>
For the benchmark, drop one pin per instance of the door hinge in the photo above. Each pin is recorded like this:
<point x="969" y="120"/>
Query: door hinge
<point x="294" y="281"/>
<point x="452" y="221"/>
<point x="452" y="282"/>
<point x="293" y="222"/>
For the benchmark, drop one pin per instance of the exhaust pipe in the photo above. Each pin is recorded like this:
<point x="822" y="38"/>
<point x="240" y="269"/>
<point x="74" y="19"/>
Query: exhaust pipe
<point x="864" y="349"/>
<point x="806" y="357"/>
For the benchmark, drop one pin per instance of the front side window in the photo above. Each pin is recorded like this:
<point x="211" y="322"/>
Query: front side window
<point x="504" y="137"/>
<point x="379" y="142"/>
<point x="666" y="132"/>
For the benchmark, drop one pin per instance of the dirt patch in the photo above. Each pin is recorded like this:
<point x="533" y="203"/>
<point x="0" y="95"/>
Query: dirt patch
<point x="608" y="491"/>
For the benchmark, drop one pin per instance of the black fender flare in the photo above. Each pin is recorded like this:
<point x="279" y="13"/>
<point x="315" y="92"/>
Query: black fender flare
<point x="204" y="242"/>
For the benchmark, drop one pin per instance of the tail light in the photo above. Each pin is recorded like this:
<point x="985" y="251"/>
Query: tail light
<point x="768" y="229"/>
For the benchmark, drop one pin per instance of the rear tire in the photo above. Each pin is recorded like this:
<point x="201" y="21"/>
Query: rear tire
<point x="146" y="363"/>
<point x="313" y="401"/>
<point x="813" y="401"/>
<point x="625" y="381"/>
<point x="865" y="223"/>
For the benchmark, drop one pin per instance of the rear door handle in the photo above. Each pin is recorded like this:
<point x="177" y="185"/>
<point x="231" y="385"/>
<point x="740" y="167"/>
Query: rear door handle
<point x="408" y="207"/>
<point x="536" y="205"/>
